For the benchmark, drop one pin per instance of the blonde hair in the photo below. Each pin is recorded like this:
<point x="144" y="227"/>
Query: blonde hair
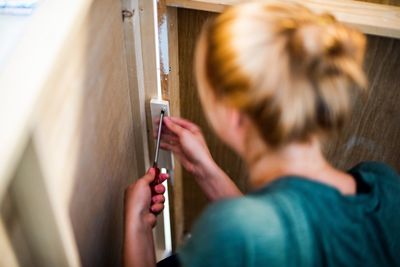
<point x="287" y="68"/>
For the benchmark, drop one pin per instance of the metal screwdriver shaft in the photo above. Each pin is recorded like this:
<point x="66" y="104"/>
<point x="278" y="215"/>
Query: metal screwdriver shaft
<point x="156" y="154"/>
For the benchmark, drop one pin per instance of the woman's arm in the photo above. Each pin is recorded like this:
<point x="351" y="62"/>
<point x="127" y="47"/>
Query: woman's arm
<point x="139" y="246"/>
<point x="187" y="142"/>
<point x="215" y="183"/>
<point x="141" y="209"/>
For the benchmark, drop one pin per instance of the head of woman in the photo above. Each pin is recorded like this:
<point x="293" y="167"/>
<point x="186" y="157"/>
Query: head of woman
<point x="277" y="74"/>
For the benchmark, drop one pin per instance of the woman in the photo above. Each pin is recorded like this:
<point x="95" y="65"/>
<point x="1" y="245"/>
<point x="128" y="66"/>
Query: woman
<point x="275" y="81"/>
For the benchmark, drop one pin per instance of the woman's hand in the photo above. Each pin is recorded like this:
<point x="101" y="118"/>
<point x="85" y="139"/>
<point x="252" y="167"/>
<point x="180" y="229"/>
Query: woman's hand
<point x="187" y="142"/>
<point x="144" y="202"/>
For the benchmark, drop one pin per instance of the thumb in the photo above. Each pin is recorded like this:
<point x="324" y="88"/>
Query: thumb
<point x="150" y="175"/>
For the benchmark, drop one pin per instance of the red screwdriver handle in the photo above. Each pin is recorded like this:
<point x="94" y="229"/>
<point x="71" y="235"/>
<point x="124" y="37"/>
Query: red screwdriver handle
<point x="157" y="179"/>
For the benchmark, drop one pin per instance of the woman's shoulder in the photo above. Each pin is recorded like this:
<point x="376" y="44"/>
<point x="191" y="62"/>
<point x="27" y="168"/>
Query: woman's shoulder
<point x="375" y="167"/>
<point x="241" y="211"/>
<point x="242" y="219"/>
<point x="231" y="232"/>
<point x="378" y="173"/>
<point x="270" y="210"/>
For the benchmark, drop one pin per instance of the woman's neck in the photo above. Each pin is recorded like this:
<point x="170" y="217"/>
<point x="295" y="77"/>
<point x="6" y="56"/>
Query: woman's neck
<point x="304" y="160"/>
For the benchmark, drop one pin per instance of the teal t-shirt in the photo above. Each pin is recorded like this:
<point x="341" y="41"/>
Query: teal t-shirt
<point x="295" y="221"/>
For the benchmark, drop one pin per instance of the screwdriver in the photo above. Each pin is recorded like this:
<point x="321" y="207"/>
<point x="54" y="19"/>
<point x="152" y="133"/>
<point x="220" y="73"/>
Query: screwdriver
<point x="157" y="179"/>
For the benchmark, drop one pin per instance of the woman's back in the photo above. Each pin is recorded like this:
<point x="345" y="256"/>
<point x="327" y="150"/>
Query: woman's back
<point x="295" y="221"/>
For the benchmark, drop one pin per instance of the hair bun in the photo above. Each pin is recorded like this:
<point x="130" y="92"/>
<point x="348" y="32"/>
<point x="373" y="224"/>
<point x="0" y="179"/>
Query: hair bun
<point x="313" y="41"/>
<point x="328" y="47"/>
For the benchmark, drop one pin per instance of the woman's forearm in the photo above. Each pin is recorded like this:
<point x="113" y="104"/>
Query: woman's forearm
<point x="138" y="246"/>
<point x="215" y="183"/>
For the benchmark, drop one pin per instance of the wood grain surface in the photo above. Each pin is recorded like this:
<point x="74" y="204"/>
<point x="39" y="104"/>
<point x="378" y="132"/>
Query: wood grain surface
<point x="84" y="134"/>
<point x="372" y="134"/>
<point x="370" y="18"/>
<point x="173" y="96"/>
<point x="374" y="130"/>
<point x="383" y="2"/>
<point x="106" y="158"/>
<point x="189" y="25"/>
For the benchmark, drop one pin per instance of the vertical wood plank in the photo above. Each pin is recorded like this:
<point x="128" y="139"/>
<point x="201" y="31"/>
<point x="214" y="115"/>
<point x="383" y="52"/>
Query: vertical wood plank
<point x="173" y="95"/>
<point x="163" y="67"/>
<point x="84" y="133"/>
<point x="189" y="26"/>
<point x="142" y="46"/>
<point x="151" y="73"/>
<point x="106" y="157"/>
<point x="137" y="93"/>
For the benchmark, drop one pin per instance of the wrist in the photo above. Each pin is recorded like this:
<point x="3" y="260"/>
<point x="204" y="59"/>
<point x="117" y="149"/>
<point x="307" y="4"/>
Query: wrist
<point x="136" y="225"/>
<point x="207" y="170"/>
<point x="135" y="222"/>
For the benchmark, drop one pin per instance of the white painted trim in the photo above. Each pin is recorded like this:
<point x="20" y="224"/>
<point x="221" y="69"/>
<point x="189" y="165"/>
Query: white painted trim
<point x="155" y="18"/>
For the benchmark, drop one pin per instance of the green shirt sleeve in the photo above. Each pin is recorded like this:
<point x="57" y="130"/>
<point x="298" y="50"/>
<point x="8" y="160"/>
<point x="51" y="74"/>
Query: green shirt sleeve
<point x="225" y="236"/>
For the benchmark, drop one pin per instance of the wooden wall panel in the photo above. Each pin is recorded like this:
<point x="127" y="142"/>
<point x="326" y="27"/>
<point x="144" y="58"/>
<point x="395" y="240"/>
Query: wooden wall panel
<point x="84" y="134"/>
<point x="373" y="134"/>
<point x="106" y="157"/>
<point x="374" y="130"/>
<point x="189" y="25"/>
<point x="384" y="2"/>
<point x="173" y="95"/>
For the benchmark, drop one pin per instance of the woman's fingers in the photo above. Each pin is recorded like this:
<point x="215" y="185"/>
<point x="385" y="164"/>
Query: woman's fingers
<point x="165" y="130"/>
<point x="158" y="199"/>
<point x="185" y="124"/>
<point x="173" y="127"/>
<point x="179" y="153"/>
<point x="159" y="189"/>
<point x="174" y="148"/>
<point x="162" y="177"/>
<point x="157" y="208"/>
<point x="170" y="138"/>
